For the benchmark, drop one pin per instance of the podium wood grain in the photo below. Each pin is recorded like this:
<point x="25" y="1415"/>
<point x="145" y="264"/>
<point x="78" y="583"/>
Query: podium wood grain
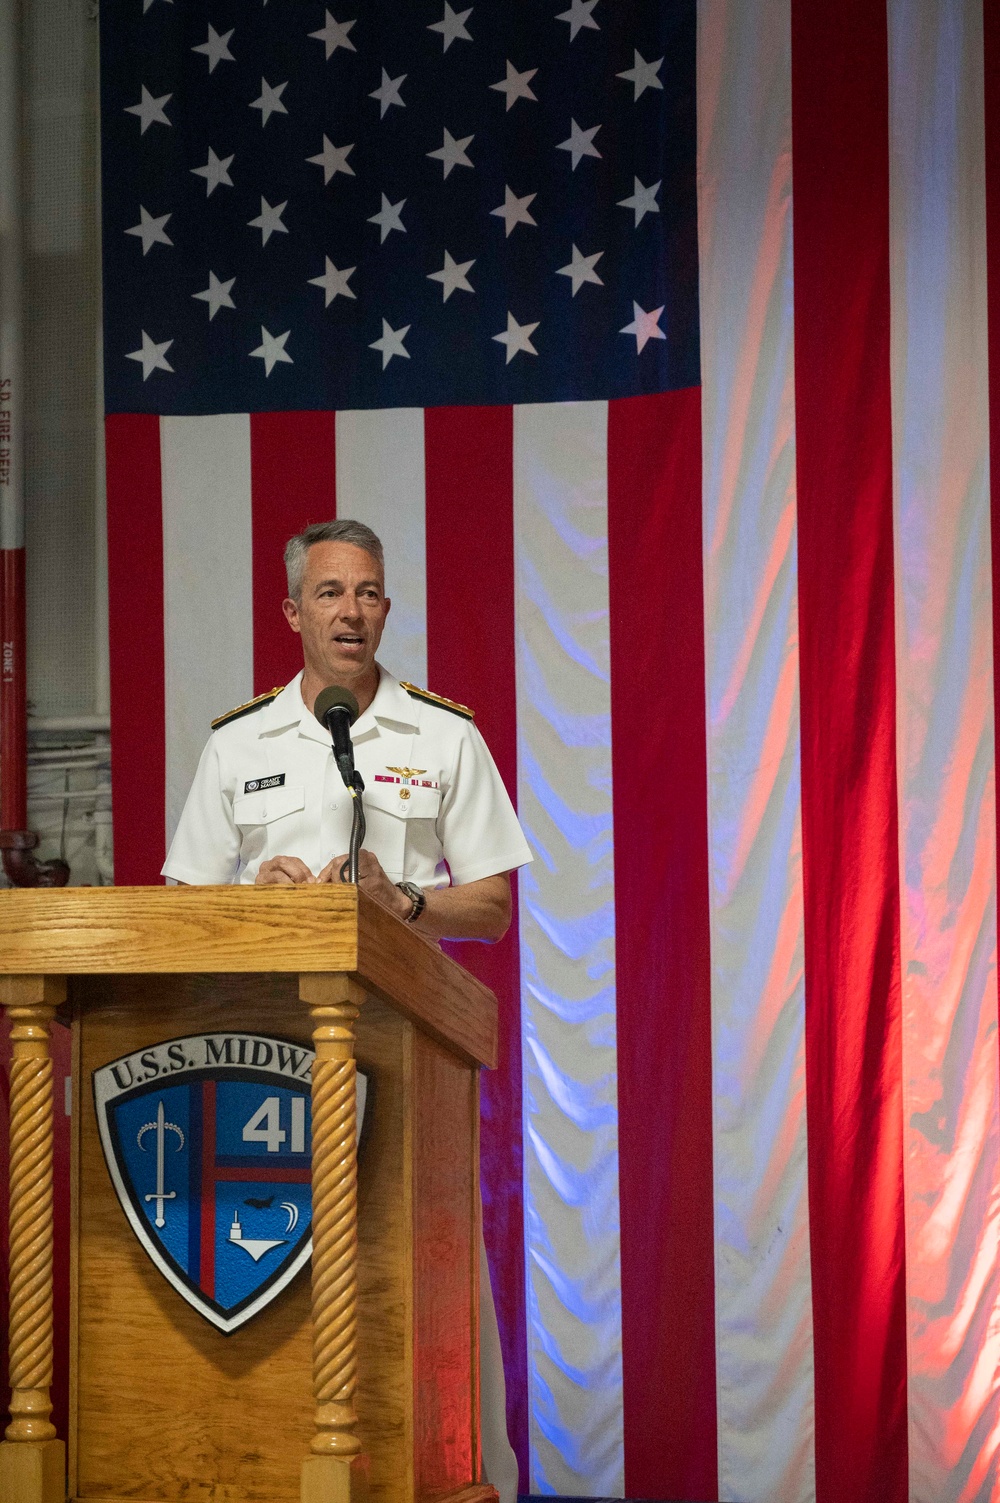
<point x="187" y="1413"/>
<point x="164" y="1401"/>
<point x="176" y="930"/>
<point x="164" y="1408"/>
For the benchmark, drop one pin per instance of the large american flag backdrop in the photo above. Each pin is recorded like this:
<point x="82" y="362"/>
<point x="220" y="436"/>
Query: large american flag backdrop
<point x="653" y="338"/>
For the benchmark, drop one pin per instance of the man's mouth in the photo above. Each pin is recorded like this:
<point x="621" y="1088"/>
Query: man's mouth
<point x="349" y="639"/>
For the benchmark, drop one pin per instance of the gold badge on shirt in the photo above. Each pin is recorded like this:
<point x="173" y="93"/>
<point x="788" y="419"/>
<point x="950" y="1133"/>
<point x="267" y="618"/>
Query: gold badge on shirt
<point x="407" y="776"/>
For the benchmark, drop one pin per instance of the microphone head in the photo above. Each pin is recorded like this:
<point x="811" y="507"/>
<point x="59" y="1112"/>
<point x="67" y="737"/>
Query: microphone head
<point x="335" y="698"/>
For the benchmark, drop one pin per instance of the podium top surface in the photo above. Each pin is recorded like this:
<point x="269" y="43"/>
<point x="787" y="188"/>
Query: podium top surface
<point x="160" y="930"/>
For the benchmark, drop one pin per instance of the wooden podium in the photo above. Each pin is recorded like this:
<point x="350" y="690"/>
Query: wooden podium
<point x="367" y="1385"/>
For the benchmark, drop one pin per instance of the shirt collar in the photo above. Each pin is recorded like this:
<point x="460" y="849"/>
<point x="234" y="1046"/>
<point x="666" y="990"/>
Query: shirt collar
<point x="391" y="706"/>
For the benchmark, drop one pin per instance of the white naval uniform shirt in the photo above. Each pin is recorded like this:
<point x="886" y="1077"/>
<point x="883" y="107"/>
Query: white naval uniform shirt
<point x="267" y="785"/>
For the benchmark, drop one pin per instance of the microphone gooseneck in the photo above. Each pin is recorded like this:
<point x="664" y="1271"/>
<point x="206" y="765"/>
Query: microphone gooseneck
<point x="337" y="709"/>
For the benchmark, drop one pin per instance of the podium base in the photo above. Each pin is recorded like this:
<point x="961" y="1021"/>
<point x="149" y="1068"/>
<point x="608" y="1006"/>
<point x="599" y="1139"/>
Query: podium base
<point x="33" y="1471"/>
<point x="327" y="1479"/>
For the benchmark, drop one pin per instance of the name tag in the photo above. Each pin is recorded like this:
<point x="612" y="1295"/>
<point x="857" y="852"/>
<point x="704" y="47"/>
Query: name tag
<point x="257" y="785"/>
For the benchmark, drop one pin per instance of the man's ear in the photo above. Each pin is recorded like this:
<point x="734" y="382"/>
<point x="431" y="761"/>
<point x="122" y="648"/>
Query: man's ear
<point x="388" y="604"/>
<point x="291" y="611"/>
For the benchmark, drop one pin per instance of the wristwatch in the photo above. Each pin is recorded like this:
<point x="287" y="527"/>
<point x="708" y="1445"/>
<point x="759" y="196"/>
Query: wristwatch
<point x="416" y="896"/>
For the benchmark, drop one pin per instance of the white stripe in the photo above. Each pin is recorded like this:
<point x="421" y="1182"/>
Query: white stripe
<point x="945" y="733"/>
<point x="568" y="950"/>
<point x="381" y="481"/>
<point x="763" y="1280"/>
<point x="207" y="585"/>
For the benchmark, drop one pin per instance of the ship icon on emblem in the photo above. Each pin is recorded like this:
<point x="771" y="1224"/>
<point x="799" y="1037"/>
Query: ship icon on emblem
<point x="258" y="1246"/>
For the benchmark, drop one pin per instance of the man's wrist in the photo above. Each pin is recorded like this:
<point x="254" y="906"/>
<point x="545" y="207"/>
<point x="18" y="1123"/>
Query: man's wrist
<point x="417" y="900"/>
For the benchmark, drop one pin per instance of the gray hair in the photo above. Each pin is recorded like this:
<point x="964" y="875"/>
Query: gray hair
<point x="341" y="531"/>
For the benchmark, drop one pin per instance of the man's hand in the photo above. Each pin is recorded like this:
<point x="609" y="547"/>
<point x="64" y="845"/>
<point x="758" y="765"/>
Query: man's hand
<point x="283" y="871"/>
<point x="372" y="880"/>
<point x="474" y="910"/>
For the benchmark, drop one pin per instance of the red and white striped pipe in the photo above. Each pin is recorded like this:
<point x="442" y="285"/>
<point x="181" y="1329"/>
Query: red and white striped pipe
<point x="17" y="842"/>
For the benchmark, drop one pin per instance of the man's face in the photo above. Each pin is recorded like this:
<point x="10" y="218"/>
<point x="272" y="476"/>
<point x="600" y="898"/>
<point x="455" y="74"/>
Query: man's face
<point x="341" y="615"/>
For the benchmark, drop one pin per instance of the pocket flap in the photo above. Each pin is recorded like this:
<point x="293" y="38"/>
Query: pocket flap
<point x="404" y="802"/>
<point x="267" y="805"/>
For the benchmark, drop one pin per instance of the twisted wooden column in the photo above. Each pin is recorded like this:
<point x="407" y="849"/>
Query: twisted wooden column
<point x="333" y="1473"/>
<point x="31" y="1459"/>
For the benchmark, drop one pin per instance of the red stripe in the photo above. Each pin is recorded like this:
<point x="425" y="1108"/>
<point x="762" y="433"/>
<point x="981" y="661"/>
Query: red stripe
<point x="293" y="483"/>
<point x="13" y="691"/>
<point x="263" y="1176"/>
<point x="662" y="946"/>
<point x="135" y="627"/>
<point x="849" y="813"/>
<point x="470" y="657"/>
<point x="991" y="59"/>
<point x="208" y="1188"/>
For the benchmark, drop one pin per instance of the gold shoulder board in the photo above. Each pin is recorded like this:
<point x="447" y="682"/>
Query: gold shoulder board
<point x="439" y="700"/>
<point x="251" y="704"/>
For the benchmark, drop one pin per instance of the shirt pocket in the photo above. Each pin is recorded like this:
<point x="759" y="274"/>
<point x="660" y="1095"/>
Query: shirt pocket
<point x="253" y="810"/>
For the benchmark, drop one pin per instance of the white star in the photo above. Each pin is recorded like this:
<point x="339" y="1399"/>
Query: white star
<point x="215" y="172"/>
<point x="645" y="326"/>
<point x="581" y="269"/>
<point x="391" y="342"/>
<point x="643" y="75"/>
<point x="149" y="110"/>
<point x="269" y="102"/>
<point x="643" y="201"/>
<point x="272" y="350"/>
<point x="333" y="282"/>
<point x="515" y="85"/>
<point x="388" y="218"/>
<point x="580" y="143"/>
<point x="216" y="295"/>
<point x="452" y="153"/>
<point x="388" y="92"/>
<point x="150" y="231"/>
<point x="452" y="25"/>
<point x="517" y="338"/>
<point x="152" y="356"/>
<point x="216" y="49"/>
<point x="579" y="15"/>
<point x="147" y="3"/>
<point x="452" y="276"/>
<point x="334" y="34"/>
<point x="268" y="221"/>
<point x="332" y="159"/>
<point x="514" y="210"/>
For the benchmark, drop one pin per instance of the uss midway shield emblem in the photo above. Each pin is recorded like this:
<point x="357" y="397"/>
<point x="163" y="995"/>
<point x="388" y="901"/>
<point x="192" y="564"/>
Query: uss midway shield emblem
<point x="208" y="1143"/>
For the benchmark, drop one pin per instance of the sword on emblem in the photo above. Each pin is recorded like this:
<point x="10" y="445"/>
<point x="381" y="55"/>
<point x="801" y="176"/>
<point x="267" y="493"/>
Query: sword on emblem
<point x="161" y="1127"/>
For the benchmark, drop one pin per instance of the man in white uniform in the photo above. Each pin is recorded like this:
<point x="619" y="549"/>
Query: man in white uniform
<point x="268" y="804"/>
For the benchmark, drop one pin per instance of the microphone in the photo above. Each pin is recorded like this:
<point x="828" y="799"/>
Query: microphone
<point x="337" y="709"/>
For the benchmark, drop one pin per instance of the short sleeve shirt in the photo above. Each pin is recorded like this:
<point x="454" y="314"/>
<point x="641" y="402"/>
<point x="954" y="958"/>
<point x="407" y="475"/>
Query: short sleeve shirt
<point x="267" y="785"/>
